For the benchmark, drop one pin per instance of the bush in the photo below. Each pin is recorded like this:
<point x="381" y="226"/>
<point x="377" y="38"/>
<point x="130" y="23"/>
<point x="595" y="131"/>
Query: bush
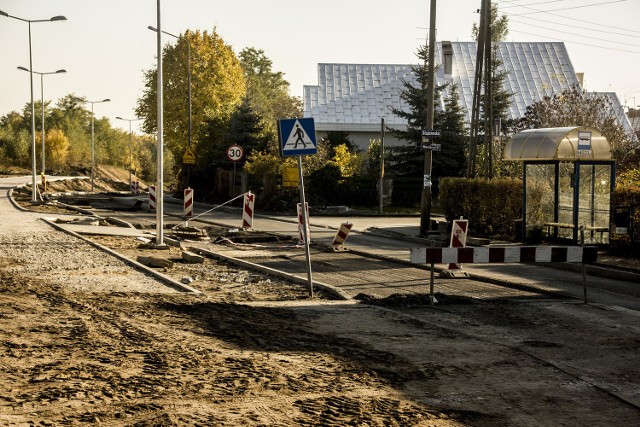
<point x="491" y="206"/>
<point x="627" y="196"/>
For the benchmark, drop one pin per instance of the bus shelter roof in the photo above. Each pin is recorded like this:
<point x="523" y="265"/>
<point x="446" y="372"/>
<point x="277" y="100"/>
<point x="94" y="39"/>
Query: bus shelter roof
<point x="559" y="144"/>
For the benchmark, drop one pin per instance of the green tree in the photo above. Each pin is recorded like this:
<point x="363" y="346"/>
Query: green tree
<point x="267" y="90"/>
<point x="217" y="88"/>
<point x="15" y="140"/>
<point x="575" y="107"/>
<point x="408" y="160"/>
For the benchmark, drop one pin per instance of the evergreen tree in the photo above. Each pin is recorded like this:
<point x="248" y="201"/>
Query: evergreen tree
<point x="409" y="160"/>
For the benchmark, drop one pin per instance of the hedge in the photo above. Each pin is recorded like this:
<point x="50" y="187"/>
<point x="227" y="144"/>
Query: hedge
<point x="491" y="206"/>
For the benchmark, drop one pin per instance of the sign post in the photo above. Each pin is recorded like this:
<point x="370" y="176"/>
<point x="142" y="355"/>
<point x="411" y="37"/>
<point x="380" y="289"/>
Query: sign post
<point x="234" y="153"/>
<point x="298" y="138"/>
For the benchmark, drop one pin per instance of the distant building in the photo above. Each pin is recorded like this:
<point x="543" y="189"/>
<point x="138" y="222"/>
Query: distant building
<point x="354" y="97"/>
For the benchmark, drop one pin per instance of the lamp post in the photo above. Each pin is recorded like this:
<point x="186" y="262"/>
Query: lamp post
<point x="93" y="156"/>
<point x="160" y="169"/>
<point x="33" y="109"/>
<point x="130" y="144"/>
<point x="42" y="100"/>
<point x="188" y="79"/>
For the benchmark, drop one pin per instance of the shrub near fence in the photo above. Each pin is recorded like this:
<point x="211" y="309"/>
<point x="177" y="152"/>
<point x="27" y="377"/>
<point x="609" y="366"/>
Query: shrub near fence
<point x="627" y="197"/>
<point x="491" y="206"/>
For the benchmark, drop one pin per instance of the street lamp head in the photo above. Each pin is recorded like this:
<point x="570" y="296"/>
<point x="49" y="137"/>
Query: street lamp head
<point x="4" y="13"/>
<point x="23" y="69"/>
<point x="59" y="18"/>
<point x="61" y="71"/>
<point x="152" y="28"/>
<point x="119" y="118"/>
<point x="106" y="100"/>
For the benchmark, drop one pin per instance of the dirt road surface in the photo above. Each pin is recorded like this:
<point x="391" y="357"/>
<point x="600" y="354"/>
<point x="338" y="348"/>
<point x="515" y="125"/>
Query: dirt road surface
<point x="86" y="340"/>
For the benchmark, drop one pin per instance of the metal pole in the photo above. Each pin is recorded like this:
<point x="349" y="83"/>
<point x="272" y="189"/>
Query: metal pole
<point x="93" y="158"/>
<point x="425" y="210"/>
<point x="431" y="280"/>
<point x="130" y="153"/>
<point x="159" y="178"/>
<point x="381" y="162"/>
<point x="305" y="228"/>
<point x="33" y="125"/>
<point x="42" y="96"/>
<point x="189" y="86"/>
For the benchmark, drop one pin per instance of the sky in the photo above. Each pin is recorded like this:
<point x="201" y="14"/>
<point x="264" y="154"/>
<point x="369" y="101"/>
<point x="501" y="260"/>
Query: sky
<point x="105" y="46"/>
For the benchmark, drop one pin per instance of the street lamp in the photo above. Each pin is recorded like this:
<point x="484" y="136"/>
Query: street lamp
<point x="130" y="144"/>
<point x="188" y="78"/>
<point x="93" y="156"/>
<point x="33" y="109"/>
<point x="42" y="100"/>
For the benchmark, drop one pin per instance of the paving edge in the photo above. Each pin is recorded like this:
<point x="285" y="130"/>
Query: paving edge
<point x="138" y="266"/>
<point x="268" y="270"/>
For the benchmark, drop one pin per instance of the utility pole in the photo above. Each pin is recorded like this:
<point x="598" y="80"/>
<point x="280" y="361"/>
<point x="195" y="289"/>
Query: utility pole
<point x="425" y="206"/>
<point x="483" y="74"/>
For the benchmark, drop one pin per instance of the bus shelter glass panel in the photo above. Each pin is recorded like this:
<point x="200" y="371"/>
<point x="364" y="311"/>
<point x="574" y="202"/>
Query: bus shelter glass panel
<point x="566" y="177"/>
<point x="594" y="201"/>
<point x="539" y="195"/>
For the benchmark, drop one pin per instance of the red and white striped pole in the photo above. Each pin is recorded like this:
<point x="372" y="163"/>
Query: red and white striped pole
<point x="152" y="197"/>
<point x="300" y="222"/>
<point x="188" y="202"/>
<point x="342" y="234"/>
<point x="247" y="211"/>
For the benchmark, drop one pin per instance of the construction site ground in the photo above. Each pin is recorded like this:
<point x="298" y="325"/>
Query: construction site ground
<point x="89" y="340"/>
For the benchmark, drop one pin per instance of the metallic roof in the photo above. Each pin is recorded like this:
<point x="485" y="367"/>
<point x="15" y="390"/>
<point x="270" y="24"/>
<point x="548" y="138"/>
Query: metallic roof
<point x="355" y="96"/>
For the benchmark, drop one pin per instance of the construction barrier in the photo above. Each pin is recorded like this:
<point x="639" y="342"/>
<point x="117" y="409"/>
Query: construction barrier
<point x="152" y="197"/>
<point x="458" y="240"/>
<point x="342" y="234"/>
<point x="188" y="202"/>
<point x="511" y="254"/>
<point x="135" y="187"/>
<point x="300" y="222"/>
<point x="247" y="211"/>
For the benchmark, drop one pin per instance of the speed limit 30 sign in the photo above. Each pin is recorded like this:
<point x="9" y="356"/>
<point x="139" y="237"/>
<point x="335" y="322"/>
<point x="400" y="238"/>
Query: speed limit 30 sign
<point x="235" y="153"/>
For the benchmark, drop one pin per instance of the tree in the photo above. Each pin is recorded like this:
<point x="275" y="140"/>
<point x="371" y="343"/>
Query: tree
<point x="408" y="160"/>
<point x="267" y="90"/>
<point x="217" y="88"/>
<point x="56" y="149"/>
<point x="575" y="107"/>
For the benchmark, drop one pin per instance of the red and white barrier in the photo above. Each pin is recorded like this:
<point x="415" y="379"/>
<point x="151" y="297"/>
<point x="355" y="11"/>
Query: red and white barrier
<point x="458" y="239"/>
<point x="247" y="211"/>
<point x="152" y="197"/>
<point x="511" y="254"/>
<point x="300" y="221"/>
<point x="188" y="202"/>
<point x="342" y="234"/>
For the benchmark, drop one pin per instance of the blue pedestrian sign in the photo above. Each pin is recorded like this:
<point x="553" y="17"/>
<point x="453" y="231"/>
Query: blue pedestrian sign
<point x="297" y="137"/>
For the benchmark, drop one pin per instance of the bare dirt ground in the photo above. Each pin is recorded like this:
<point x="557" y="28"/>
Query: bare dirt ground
<point x="83" y="342"/>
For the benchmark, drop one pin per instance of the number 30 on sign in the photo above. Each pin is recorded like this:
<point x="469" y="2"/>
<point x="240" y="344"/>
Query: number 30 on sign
<point x="235" y="153"/>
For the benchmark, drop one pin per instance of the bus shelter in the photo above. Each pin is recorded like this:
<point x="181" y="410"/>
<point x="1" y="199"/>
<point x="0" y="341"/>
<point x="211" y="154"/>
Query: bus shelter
<point x="568" y="177"/>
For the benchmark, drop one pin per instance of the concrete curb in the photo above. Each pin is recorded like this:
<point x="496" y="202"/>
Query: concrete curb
<point x="338" y="293"/>
<point x="172" y="283"/>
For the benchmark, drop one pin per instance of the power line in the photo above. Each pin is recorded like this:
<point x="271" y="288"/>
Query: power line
<point x="530" y="4"/>
<point x="578" y="35"/>
<point x="576" y="26"/>
<point x="565" y="8"/>
<point x="569" y="41"/>
<point x="574" y="19"/>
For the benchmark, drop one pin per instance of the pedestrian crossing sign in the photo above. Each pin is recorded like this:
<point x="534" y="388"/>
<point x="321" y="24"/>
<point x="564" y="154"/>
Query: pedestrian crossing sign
<point x="297" y="137"/>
